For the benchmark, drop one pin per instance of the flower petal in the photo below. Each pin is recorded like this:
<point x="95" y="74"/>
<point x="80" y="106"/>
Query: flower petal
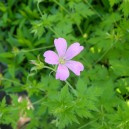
<point x="51" y="57"/>
<point x="62" y="72"/>
<point x="73" y="50"/>
<point x="75" y="66"/>
<point x="61" y="46"/>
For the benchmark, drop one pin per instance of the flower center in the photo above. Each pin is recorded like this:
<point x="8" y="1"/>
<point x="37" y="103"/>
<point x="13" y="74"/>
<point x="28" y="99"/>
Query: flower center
<point x="62" y="61"/>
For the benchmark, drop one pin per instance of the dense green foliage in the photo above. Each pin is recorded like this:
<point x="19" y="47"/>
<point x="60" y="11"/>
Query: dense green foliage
<point x="99" y="97"/>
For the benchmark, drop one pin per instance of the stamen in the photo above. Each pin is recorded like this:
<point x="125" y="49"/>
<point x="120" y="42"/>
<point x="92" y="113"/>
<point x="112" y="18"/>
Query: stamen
<point x="62" y="61"/>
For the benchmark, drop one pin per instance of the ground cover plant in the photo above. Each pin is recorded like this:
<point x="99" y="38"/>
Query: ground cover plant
<point x="39" y="90"/>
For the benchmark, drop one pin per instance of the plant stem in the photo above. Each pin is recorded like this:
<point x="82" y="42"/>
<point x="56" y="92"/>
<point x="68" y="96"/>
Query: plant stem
<point x="86" y="1"/>
<point x="79" y="28"/>
<point x="49" y="68"/>
<point x="74" y="91"/>
<point x="42" y="16"/>
<point x="38" y="101"/>
<point x="101" y="57"/>
<point x="36" y="49"/>
<point x="9" y="80"/>
<point x="39" y="9"/>
<point x="87" y="124"/>
<point x="53" y="31"/>
<point x="62" y="6"/>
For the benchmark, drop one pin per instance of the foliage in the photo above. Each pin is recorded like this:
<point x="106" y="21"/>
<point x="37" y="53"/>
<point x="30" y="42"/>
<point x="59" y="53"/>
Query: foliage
<point x="99" y="97"/>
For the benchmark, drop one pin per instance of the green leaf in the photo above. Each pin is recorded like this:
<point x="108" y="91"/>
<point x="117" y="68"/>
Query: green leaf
<point x="6" y="55"/>
<point x="113" y="2"/>
<point x="61" y="106"/>
<point x="125" y="7"/>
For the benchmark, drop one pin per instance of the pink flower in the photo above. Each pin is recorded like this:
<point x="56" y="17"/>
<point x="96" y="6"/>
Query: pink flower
<point x="63" y="58"/>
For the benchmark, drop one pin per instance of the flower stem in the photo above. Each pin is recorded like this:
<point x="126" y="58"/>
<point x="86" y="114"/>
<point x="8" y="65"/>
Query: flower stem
<point x="53" y="31"/>
<point x="39" y="9"/>
<point x="36" y="49"/>
<point x="70" y="86"/>
<point x="47" y="67"/>
<point x="74" y="91"/>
